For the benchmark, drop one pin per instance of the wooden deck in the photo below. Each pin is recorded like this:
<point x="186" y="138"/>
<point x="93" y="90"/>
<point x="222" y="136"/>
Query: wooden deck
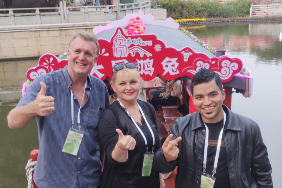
<point x="166" y="117"/>
<point x="163" y="133"/>
<point x="170" y="182"/>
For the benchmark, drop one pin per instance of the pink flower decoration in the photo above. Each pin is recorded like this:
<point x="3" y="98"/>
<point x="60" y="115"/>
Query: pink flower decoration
<point x="135" y="26"/>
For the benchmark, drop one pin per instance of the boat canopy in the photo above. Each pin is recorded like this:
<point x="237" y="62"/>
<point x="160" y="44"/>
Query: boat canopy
<point x="164" y="50"/>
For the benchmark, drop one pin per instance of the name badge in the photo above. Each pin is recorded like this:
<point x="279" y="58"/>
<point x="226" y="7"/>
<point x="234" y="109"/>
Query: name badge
<point x="147" y="164"/>
<point x="207" y="181"/>
<point x="73" y="142"/>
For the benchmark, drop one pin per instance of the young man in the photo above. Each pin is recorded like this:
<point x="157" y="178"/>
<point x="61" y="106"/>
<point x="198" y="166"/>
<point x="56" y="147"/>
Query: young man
<point x="216" y="147"/>
<point x="67" y="105"/>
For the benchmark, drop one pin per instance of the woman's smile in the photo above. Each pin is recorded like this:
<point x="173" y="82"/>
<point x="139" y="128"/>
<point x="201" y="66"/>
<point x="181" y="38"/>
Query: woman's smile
<point x="129" y="93"/>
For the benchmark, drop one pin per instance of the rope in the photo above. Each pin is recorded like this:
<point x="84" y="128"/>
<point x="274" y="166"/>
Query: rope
<point x="29" y="168"/>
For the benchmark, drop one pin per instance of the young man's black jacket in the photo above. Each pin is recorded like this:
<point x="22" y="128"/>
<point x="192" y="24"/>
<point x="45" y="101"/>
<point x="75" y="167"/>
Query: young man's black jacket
<point x="247" y="157"/>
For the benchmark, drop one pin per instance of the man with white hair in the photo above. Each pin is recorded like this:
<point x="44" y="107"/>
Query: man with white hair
<point x="67" y="105"/>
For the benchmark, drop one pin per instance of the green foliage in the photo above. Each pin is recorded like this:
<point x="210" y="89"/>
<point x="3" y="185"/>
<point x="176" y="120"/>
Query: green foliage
<point x="68" y="3"/>
<point x="52" y="3"/>
<point x="244" y="69"/>
<point x="209" y="9"/>
<point x="180" y="9"/>
<point x="242" y="7"/>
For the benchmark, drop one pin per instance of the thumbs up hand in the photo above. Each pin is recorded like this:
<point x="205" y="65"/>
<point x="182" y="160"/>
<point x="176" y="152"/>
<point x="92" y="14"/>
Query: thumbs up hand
<point x="125" y="142"/>
<point x="43" y="105"/>
<point x="170" y="149"/>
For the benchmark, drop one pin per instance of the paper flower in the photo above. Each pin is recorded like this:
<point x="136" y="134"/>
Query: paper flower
<point x="135" y="26"/>
<point x="62" y="56"/>
<point x="201" y="42"/>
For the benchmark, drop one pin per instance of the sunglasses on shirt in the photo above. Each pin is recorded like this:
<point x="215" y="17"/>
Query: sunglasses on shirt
<point x="129" y="65"/>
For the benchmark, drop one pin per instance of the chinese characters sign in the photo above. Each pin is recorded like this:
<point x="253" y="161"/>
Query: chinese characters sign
<point x="152" y="56"/>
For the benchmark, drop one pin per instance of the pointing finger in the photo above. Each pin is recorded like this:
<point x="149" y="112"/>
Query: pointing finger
<point x="167" y="140"/>
<point x="174" y="143"/>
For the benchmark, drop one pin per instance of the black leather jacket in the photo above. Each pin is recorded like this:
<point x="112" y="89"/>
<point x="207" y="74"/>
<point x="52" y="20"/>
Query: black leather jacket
<point x="247" y="156"/>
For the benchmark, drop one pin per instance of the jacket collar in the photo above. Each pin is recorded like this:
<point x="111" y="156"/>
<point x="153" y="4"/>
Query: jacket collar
<point x="231" y="121"/>
<point x="69" y="81"/>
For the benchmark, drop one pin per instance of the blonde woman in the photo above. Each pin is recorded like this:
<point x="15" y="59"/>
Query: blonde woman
<point x="128" y="131"/>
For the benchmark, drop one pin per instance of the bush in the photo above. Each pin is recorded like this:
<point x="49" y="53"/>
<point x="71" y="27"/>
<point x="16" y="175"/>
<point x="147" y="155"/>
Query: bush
<point x="52" y="3"/>
<point x="210" y="9"/>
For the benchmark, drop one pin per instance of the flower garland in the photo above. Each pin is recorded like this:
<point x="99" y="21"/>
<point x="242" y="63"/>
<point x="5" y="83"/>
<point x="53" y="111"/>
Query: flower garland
<point x="62" y="56"/>
<point x="135" y="26"/>
<point x="201" y="42"/>
<point x="25" y="86"/>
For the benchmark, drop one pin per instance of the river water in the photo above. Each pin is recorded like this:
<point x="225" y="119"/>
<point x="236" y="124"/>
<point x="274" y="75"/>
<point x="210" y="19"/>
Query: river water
<point x="257" y="45"/>
<point x="260" y="50"/>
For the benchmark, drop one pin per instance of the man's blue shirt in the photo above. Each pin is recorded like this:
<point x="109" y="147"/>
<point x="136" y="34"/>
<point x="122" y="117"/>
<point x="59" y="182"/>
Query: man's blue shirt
<point x="55" y="168"/>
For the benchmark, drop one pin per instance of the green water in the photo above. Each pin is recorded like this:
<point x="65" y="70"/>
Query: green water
<point x="15" y="147"/>
<point x="260" y="40"/>
<point x="257" y="45"/>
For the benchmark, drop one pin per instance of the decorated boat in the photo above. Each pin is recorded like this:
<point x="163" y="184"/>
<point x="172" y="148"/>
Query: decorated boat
<point x="159" y="48"/>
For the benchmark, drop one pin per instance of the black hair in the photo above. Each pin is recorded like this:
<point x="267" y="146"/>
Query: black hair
<point x="204" y="76"/>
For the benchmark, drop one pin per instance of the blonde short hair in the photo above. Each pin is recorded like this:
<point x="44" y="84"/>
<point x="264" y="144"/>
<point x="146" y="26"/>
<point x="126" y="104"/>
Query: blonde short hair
<point x="126" y="72"/>
<point x="88" y="37"/>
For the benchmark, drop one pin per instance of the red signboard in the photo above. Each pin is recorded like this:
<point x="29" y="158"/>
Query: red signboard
<point x="152" y="56"/>
<point x="46" y="63"/>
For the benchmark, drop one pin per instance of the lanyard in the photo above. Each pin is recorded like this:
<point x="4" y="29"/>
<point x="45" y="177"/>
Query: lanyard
<point x="217" y="148"/>
<point x="144" y="137"/>
<point x="72" y="109"/>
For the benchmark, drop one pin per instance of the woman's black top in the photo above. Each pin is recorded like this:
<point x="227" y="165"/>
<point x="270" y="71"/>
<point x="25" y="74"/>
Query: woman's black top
<point x="127" y="174"/>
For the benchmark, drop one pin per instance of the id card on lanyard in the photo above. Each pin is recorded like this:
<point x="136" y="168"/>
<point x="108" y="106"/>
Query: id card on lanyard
<point x="148" y="156"/>
<point x="147" y="164"/>
<point x="74" y="136"/>
<point x="207" y="180"/>
<point x="73" y="142"/>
